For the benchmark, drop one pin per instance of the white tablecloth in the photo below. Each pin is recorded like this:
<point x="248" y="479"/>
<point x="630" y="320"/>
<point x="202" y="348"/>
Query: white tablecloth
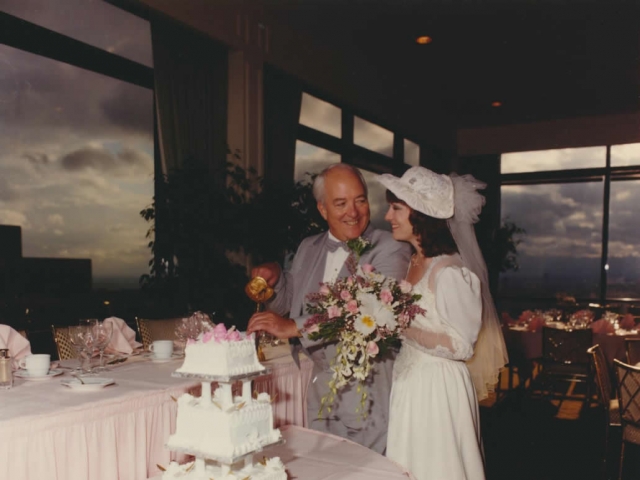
<point x="48" y="431"/>
<point x="311" y="455"/>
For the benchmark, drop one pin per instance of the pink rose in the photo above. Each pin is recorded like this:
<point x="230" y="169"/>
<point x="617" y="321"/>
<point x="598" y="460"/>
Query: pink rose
<point x="367" y="268"/>
<point x="352" y="306"/>
<point x="334" y="311"/>
<point x="324" y="290"/>
<point x="191" y="341"/>
<point x="233" y="336"/>
<point x="350" y="281"/>
<point x="386" y="296"/>
<point x="345" y="295"/>
<point x="372" y="349"/>
<point x="219" y="332"/>
<point x="405" y="287"/>
<point x="207" y="336"/>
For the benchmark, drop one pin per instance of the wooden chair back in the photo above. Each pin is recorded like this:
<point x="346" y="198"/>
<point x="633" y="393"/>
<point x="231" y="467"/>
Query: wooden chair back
<point x="632" y="346"/>
<point x="160" y="329"/>
<point x="63" y="344"/>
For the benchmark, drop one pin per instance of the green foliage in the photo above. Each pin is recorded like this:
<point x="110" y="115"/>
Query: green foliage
<point x="506" y="243"/>
<point x="201" y="219"/>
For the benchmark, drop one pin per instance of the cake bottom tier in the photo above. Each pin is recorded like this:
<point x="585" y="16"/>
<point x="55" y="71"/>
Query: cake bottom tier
<point x="272" y="469"/>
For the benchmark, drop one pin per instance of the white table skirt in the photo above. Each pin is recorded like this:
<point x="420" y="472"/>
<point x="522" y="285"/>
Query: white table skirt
<point x="48" y="431"/>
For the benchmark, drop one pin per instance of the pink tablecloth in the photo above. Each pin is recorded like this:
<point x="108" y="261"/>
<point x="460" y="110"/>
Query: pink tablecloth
<point x="311" y="455"/>
<point x="48" y="431"/>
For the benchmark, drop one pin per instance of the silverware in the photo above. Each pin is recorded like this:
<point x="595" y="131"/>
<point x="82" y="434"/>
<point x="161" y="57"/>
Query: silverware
<point x="76" y="376"/>
<point x="117" y="360"/>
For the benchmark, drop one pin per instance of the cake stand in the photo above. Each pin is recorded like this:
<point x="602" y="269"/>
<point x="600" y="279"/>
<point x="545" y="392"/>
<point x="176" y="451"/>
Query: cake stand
<point x="225" y="382"/>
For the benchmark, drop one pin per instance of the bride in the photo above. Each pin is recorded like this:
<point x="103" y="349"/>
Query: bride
<point x="434" y="425"/>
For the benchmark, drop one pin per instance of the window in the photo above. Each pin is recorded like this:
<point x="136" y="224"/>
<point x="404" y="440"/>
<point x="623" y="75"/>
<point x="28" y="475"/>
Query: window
<point x="372" y="137"/>
<point x="570" y="246"/>
<point x="94" y="22"/>
<point x="77" y="163"/>
<point x="311" y="159"/>
<point x="562" y="159"/>
<point x="320" y="115"/>
<point x="411" y="153"/>
<point x="371" y="150"/>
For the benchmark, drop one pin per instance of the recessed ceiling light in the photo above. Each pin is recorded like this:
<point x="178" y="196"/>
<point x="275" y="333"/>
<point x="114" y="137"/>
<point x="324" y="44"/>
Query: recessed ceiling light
<point x="496" y="104"/>
<point x="424" y="40"/>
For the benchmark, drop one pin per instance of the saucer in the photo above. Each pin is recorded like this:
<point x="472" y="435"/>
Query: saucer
<point x="154" y="359"/>
<point x="37" y="378"/>
<point x="91" y="384"/>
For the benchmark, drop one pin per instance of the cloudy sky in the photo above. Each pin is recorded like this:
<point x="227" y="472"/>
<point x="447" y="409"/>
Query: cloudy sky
<point x="563" y="222"/>
<point x="76" y="148"/>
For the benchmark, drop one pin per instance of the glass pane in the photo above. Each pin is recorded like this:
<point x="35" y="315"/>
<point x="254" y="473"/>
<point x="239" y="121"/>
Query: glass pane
<point x="91" y="21"/>
<point x="561" y="159"/>
<point x="625" y="155"/>
<point x="377" y="200"/>
<point x="623" y="277"/>
<point x="312" y="159"/>
<point x="372" y="137"/>
<point x="561" y="249"/>
<point x="318" y="114"/>
<point x="411" y="153"/>
<point x="76" y="165"/>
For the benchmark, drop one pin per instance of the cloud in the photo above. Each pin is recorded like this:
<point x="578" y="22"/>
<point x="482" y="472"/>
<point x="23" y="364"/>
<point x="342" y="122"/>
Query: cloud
<point x="11" y="217"/>
<point x="55" y="219"/>
<point x="100" y="159"/>
<point x="128" y="110"/>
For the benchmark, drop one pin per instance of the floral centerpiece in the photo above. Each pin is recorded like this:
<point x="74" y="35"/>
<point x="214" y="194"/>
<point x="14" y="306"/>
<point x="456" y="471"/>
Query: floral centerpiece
<point x="365" y="313"/>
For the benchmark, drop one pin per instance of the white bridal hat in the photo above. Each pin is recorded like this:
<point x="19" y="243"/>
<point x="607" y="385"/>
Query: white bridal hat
<point x="423" y="190"/>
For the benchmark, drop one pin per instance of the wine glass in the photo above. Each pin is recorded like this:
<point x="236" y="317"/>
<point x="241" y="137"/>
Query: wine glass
<point x="76" y="338"/>
<point x="102" y="333"/>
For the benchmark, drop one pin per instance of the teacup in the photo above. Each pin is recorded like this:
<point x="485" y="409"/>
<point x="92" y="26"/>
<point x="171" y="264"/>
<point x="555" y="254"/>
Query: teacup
<point x="162" y="348"/>
<point x="37" y="365"/>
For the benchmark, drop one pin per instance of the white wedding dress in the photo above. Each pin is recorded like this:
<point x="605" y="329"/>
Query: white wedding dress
<point x="434" y="424"/>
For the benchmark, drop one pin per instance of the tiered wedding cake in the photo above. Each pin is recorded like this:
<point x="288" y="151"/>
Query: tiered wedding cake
<point x="221" y="431"/>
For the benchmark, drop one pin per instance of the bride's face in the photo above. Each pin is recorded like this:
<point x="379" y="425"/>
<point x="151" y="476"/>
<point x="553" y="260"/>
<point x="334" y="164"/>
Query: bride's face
<point x="398" y="217"/>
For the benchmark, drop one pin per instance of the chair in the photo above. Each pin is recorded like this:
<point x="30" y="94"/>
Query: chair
<point x="63" y="344"/>
<point x="565" y="359"/>
<point x="632" y="346"/>
<point x="161" y="329"/>
<point x="629" y="399"/>
<point x="603" y="383"/>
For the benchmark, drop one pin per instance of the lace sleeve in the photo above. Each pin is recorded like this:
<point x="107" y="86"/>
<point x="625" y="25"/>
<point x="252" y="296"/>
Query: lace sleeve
<point x="459" y="306"/>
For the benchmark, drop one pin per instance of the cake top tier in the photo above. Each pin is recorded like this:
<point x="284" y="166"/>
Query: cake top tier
<point x="220" y="334"/>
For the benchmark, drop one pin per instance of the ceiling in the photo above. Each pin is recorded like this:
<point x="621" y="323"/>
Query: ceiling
<point x="542" y="60"/>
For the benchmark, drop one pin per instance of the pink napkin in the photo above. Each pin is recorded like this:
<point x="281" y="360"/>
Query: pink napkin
<point x="507" y="319"/>
<point x="123" y="339"/>
<point x="628" y="322"/>
<point x="18" y="345"/>
<point x="603" y="326"/>
<point x="536" y="323"/>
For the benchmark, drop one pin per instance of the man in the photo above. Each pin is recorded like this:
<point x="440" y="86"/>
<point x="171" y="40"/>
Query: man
<point x="341" y="195"/>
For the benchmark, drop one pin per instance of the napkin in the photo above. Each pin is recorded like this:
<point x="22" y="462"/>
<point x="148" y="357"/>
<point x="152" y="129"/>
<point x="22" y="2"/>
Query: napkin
<point x="603" y="326"/>
<point x="18" y="346"/>
<point x="628" y="322"/>
<point x="123" y="339"/>
<point x="536" y="323"/>
<point x="507" y="319"/>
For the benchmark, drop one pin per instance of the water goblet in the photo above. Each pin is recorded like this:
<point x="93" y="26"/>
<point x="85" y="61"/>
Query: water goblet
<point x="102" y="333"/>
<point x="76" y="338"/>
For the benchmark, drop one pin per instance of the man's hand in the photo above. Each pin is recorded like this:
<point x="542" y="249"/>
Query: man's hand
<point x="274" y="324"/>
<point x="269" y="271"/>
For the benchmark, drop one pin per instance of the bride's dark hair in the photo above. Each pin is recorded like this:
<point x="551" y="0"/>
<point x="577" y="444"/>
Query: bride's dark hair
<point x="434" y="234"/>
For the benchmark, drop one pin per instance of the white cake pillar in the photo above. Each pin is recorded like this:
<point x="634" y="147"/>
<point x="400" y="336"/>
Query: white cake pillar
<point x="205" y="395"/>
<point x="200" y="467"/>
<point x="246" y="390"/>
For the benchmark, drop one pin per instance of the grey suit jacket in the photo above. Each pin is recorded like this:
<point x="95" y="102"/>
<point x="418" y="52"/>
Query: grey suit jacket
<point x="390" y="258"/>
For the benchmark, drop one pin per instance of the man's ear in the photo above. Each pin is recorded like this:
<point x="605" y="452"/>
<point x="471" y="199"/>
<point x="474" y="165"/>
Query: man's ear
<point x="322" y="210"/>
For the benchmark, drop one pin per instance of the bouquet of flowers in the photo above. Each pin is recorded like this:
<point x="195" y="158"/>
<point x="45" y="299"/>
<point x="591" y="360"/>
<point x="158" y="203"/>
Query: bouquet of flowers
<point x="365" y="313"/>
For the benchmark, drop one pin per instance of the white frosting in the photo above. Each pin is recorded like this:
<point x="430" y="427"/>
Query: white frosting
<point x="272" y="470"/>
<point x="224" y="358"/>
<point x="223" y="427"/>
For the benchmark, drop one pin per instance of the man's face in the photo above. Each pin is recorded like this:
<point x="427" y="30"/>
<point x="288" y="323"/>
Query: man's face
<point x="345" y="207"/>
